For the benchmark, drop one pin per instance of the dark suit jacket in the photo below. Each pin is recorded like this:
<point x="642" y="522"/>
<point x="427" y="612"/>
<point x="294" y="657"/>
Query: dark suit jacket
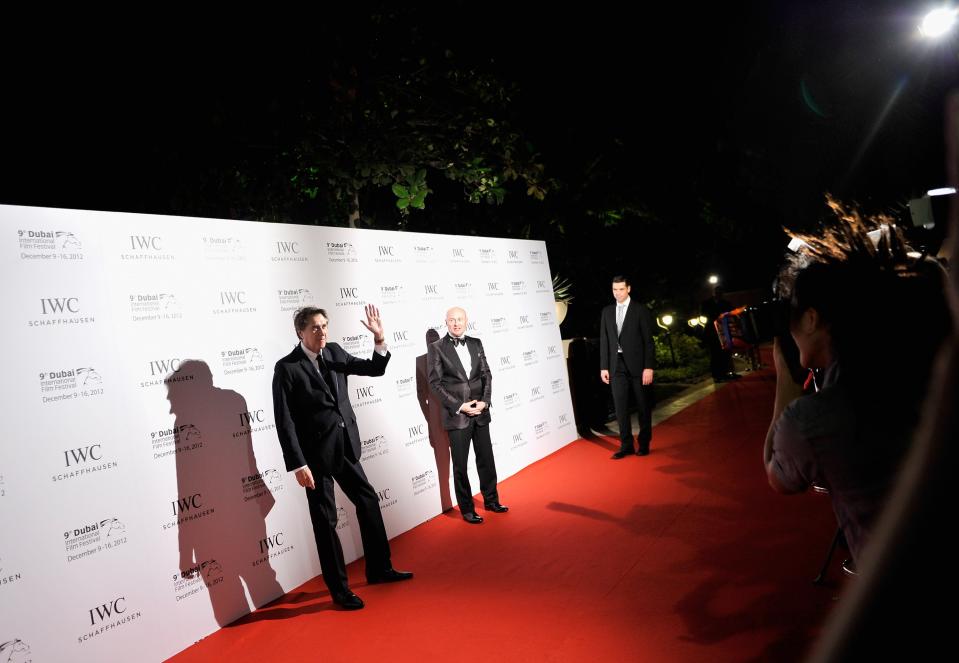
<point x="636" y="339"/>
<point x="452" y="384"/>
<point x="311" y="422"/>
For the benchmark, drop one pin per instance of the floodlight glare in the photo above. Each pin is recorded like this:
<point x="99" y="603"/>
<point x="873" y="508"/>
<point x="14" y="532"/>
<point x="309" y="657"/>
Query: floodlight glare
<point x="938" y="22"/>
<point x="944" y="191"/>
<point x="667" y="320"/>
<point x="713" y="279"/>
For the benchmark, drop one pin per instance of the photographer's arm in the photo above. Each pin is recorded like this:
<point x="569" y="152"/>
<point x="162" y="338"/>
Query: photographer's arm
<point x="786" y="392"/>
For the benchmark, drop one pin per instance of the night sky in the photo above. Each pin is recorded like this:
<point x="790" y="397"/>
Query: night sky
<point x="758" y="107"/>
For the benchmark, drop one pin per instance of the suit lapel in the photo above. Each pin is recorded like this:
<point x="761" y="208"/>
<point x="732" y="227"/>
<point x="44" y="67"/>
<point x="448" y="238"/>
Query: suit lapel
<point x="312" y="373"/>
<point x="449" y="350"/>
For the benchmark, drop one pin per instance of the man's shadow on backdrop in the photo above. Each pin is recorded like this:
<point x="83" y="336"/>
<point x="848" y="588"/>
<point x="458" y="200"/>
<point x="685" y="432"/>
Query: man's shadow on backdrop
<point x="222" y="497"/>
<point x="433" y="413"/>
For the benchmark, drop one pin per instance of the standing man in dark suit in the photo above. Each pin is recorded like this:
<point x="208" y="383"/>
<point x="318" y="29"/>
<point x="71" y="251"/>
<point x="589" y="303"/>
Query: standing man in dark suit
<point x="460" y="376"/>
<point x="627" y="357"/>
<point x="321" y="442"/>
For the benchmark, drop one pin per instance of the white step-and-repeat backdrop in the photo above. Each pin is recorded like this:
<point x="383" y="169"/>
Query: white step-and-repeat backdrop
<point x="143" y="496"/>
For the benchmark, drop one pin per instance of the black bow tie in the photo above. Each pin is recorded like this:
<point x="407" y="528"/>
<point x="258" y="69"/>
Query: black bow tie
<point x="458" y="341"/>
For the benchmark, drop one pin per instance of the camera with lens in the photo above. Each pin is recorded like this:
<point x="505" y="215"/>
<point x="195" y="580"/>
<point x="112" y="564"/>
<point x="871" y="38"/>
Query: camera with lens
<point x="751" y="325"/>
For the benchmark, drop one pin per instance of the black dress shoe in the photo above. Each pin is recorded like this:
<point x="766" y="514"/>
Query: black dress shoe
<point x="621" y="454"/>
<point x="496" y="507"/>
<point x="642" y="452"/>
<point x="348" y="600"/>
<point x="472" y="518"/>
<point x="389" y="575"/>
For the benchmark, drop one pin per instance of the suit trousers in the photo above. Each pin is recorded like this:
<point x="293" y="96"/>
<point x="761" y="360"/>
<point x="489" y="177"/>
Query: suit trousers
<point x="376" y="548"/>
<point x="485" y="464"/>
<point x="622" y="382"/>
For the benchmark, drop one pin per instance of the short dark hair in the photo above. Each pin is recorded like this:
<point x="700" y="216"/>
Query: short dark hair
<point x="302" y="317"/>
<point x="621" y="279"/>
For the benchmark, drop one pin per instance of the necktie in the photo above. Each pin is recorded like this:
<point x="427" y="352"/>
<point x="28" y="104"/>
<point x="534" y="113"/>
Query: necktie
<point x="620" y="311"/>
<point x="327" y="374"/>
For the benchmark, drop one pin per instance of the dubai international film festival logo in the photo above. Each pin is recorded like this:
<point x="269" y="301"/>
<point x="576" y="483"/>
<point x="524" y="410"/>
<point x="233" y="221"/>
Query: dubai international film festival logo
<point x="558" y="385"/>
<point x="58" y="311"/>
<point x="271" y="547"/>
<point x="357" y="343"/>
<point x="15" y="651"/>
<point x="499" y="324"/>
<point x="342" y="518"/>
<point x="487" y="256"/>
<point x="242" y="360"/>
<point x="423" y="482"/>
<point x="255" y="486"/>
<point x="541" y="429"/>
<point x="424" y="253"/>
<point x="49" y="245"/>
<point x="180" y="439"/>
<point x="537" y="257"/>
<point x="546" y="318"/>
<point x="431" y="292"/>
<point x="190" y="582"/>
<point x="406" y="386"/>
<point x="288" y="251"/>
<point x="519" y="440"/>
<point x="512" y="400"/>
<point x="154" y="306"/>
<point x="494" y="289"/>
<point x="375" y="447"/>
<point x="513" y="257"/>
<point x="83" y="461"/>
<point x="530" y="358"/>
<point x="416" y="434"/>
<point x="387" y="253"/>
<point x="223" y="248"/>
<point x="517" y="287"/>
<point x="524" y="322"/>
<point x="64" y="384"/>
<point x="463" y="290"/>
<point x="145" y="249"/>
<point x="108" y="617"/>
<point x="292" y="299"/>
<point x="341" y="252"/>
<point x="94" y="538"/>
<point x="229" y="302"/>
<point x="393" y="293"/>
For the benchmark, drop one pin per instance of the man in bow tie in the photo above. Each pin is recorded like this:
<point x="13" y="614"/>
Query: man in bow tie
<point x="460" y="377"/>
<point x="317" y="429"/>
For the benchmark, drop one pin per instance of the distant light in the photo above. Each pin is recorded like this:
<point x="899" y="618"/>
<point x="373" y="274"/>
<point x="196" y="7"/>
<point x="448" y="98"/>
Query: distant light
<point x="713" y="279"/>
<point x="938" y="22"/>
<point x="913" y="255"/>
<point x="693" y="322"/>
<point x="945" y="191"/>
<point x="703" y="320"/>
<point x="795" y="244"/>
<point x="667" y="320"/>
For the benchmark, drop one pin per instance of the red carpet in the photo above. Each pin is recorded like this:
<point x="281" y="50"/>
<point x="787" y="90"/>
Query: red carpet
<point x="682" y="555"/>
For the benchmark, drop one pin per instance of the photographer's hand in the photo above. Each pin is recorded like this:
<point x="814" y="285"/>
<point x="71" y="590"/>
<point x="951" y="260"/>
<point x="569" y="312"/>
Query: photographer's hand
<point x="786" y="392"/>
